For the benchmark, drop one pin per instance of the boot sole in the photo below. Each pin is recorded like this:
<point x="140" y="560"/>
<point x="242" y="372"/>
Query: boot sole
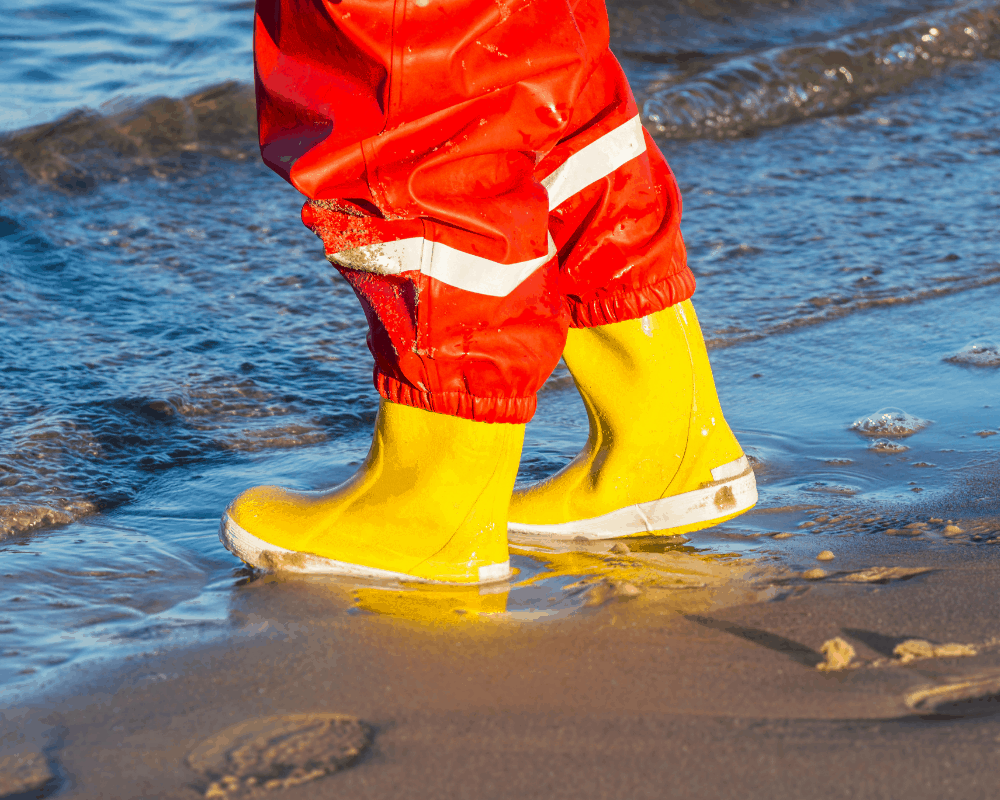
<point x="733" y="492"/>
<point x="261" y="554"/>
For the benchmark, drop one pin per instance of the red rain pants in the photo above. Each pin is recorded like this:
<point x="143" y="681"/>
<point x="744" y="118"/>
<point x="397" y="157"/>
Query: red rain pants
<point x="478" y="172"/>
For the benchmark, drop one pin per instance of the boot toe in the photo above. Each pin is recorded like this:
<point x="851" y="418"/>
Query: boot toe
<point x="252" y="505"/>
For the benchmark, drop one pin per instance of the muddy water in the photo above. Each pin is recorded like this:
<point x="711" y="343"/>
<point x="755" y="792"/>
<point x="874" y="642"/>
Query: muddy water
<point x="171" y="334"/>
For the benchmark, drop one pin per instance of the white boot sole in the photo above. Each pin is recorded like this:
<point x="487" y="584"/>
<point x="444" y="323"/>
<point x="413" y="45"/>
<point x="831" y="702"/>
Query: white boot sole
<point x="733" y="491"/>
<point x="259" y="553"/>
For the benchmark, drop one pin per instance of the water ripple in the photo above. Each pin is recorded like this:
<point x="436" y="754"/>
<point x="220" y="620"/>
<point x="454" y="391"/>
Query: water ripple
<point x="792" y="82"/>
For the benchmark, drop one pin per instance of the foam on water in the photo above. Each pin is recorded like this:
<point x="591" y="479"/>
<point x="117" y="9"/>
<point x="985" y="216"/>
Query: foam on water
<point x="977" y="355"/>
<point x="890" y="422"/>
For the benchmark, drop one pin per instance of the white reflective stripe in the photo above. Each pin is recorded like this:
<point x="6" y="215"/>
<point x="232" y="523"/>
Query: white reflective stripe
<point x="480" y="275"/>
<point x="690" y="508"/>
<point x="476" y="274"/>
<point x="731" y="470"/>
<point x="595" y="161"/>
<point x="446" y="264"/>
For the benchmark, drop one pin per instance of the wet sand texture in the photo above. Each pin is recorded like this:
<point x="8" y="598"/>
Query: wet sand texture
<point x="24" y="773"/>
<point x="260" y="755"/>
<point x="584" y="708"/>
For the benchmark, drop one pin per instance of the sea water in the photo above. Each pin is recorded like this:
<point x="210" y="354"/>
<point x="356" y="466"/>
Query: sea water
<point x="171" y="335"/>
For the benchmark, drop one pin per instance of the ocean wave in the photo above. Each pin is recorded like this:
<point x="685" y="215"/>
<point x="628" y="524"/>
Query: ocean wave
<point x="835" y="308"/>
<point x="158" y="137"/>
<point x="98" y="455"/>
<point x="713" y="97"/>
<point x="784" y="84"/>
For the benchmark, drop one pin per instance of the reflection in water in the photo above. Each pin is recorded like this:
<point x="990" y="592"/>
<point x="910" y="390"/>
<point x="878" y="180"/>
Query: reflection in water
<point x="552" y="580"/>
<point x="434" y="605"/>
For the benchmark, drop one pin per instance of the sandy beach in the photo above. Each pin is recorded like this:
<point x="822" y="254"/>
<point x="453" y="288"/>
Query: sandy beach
<point x="697" y="692"/>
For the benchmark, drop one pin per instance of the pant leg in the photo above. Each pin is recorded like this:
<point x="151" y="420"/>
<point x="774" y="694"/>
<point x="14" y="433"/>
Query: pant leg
<point x="616" y="209"/>
<point x="431" y="138"/>
<point x="415" y="128"/>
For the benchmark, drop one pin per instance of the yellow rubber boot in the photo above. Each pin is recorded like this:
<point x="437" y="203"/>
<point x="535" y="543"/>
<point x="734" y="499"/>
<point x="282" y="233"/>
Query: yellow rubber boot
<point x="429" y="504"/>
<point x="660" y="457"/>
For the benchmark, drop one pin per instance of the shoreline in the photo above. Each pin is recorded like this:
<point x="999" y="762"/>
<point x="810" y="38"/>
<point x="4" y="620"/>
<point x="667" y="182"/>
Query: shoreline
<point x="631" y="696"/>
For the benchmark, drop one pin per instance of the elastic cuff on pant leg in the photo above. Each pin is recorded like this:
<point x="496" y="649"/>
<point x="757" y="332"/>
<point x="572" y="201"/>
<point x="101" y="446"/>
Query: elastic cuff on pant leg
<point x="629" y="304"/>
<point x="516" y="410"/>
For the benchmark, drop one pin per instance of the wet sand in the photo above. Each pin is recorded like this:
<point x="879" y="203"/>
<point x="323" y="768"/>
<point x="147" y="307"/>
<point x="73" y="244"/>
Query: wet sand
<point x="700" y="692"/>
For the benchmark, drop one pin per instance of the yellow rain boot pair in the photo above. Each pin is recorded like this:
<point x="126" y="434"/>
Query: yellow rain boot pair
<point x="660" y="458"/>
<point x="431" y="501"/>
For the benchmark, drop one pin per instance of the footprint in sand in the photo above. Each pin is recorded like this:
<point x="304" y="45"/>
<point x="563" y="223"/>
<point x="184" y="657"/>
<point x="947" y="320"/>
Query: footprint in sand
<point x="253" y="757"/>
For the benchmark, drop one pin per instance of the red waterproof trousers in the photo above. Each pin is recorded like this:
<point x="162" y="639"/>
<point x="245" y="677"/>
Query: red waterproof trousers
<point x="478" y="172"/>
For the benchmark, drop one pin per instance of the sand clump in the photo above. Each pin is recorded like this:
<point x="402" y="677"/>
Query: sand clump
<point x="606" y="590"/>
<point x="948" y="528"/>
<point x="838" y="654"/>
<point x="825" y="555"/>
<point x="815" y="574"/>
<point x="908" y="530"/>
<point x="882" y="574"/>
<point x="917" y="649"/>
<point x="934" y="698"/>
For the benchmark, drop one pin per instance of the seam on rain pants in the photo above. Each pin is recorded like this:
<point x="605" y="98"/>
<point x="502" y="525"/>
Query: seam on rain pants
<point x="478" y="172"/>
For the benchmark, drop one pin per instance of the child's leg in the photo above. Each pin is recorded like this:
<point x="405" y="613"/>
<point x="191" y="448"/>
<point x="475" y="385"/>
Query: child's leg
<point x="660" y="456"/>
<point x="415" y="131"/>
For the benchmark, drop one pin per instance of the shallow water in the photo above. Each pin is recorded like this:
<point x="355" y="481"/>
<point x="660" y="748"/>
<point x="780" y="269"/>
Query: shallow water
<point x="57" y="56"/>
<point x="173" y="335"/>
